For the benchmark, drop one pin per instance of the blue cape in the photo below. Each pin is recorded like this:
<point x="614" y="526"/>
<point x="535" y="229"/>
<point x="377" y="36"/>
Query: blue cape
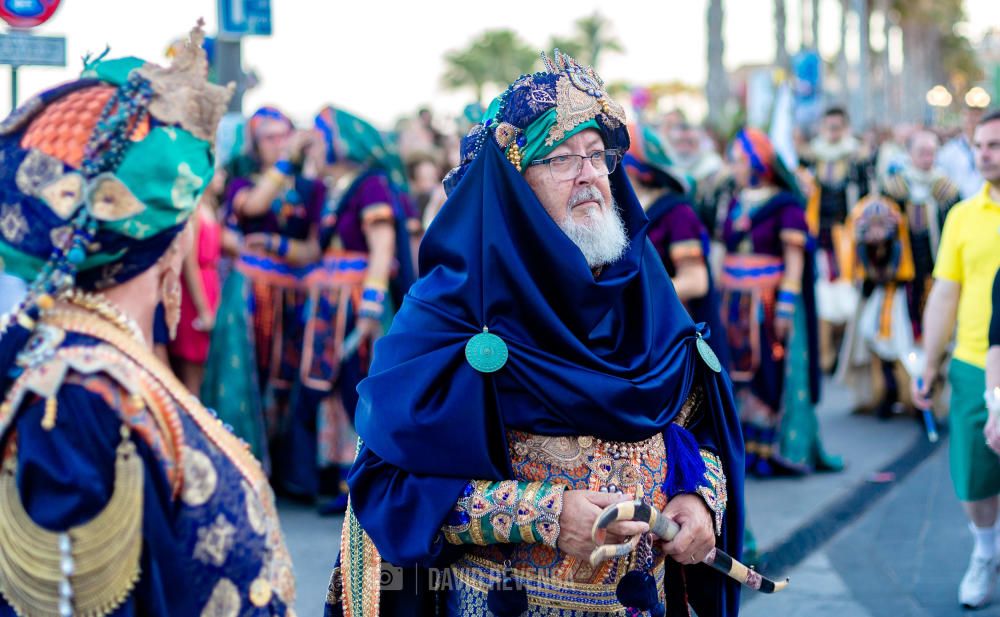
<point x="613" y="357"/>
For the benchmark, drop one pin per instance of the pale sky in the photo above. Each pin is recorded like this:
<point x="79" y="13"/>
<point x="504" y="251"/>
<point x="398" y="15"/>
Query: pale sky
<point x="384" y="59"/>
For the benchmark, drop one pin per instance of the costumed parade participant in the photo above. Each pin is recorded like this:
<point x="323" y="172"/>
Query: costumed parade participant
<point x="770" y="313"/>
<point x="879" y="339"/>
<point x="364" y="272"/>
<point x="540" y="370"/>
<point x="926" y="195"/>
<point x="277" y="210"/>
<point x="692" y="158"/>
<point x="675" y="231"/>
<point x="119" y="488"/>
<point x="841" y="174"/>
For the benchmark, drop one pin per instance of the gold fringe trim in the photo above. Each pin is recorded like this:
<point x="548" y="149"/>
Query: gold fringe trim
<point x="105" y="551"/>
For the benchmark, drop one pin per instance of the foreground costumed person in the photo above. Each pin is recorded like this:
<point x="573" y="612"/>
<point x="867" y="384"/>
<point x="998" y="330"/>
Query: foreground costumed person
<point x="541" y="370"/>
<point x="118" y="487"/>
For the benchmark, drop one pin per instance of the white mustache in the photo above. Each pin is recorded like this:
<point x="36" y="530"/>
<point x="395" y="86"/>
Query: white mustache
<point x="589" y="193"/>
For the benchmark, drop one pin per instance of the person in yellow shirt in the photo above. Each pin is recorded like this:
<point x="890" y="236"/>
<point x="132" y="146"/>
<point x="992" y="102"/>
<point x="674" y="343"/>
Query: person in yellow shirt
<point x="967" y="261"/>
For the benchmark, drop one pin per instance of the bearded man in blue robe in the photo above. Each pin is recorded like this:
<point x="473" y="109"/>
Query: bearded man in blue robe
<point x="541" y="370"/>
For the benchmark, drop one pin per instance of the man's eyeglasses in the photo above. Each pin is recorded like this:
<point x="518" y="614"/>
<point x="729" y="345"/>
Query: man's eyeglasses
<point x="566" y="167"/>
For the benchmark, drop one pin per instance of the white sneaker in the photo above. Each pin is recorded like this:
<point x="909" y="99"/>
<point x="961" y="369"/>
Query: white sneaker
<point x="978" y="583"/>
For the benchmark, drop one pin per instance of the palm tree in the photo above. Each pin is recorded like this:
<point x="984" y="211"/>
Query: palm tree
<point x="814" y="18"/>
<point x="717" y="87"/>
<point x="780" y="25"/>
<point x="509" y="56"/>
<point x="595" y="36"/>
<point x="590" y="38"/>
<point x="842" y="52"/>
<point x="496" y="57"/>
<point x="860" y="92"/>
<point x="569" y="45"/>
<point x="933" y="52"/>
<point x="466" y="68"/>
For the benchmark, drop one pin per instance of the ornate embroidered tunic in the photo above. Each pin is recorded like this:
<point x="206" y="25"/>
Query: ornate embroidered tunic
<point x="122" y="494"/>
<point x="515" y="522"/>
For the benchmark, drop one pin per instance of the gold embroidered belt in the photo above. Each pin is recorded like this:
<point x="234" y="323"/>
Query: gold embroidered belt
<point x="480" y="574"/>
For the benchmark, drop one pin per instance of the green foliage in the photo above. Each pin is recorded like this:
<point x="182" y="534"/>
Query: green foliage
<point x="958" y="60"/>
<point x="495" y="57"/>
<point x="569" y="45"/>
<point x="591" y="37"/>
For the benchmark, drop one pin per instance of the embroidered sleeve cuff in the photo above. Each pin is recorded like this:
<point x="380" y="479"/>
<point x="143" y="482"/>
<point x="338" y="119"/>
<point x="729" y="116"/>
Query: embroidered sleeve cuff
<point x="713" y="489"/>
<point x="685" y="249"/>
<point x="377" y="213"/>
<point x="506" y="512"/>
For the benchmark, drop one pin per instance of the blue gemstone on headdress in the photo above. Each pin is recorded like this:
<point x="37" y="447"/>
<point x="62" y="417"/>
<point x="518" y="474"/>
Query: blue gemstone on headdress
<point x="76" y="255"/>
<point x="522" y="141"/>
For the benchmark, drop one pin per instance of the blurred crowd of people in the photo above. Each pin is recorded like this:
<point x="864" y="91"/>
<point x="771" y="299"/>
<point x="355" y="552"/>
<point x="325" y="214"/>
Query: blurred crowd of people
<point x="308" y="240"/>
<point x="827" y="256"/>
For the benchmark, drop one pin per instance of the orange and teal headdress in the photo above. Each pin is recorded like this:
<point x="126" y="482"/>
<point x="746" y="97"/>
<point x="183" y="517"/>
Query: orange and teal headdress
<point x="99" y="175"/>
<point x="649" y="161"/>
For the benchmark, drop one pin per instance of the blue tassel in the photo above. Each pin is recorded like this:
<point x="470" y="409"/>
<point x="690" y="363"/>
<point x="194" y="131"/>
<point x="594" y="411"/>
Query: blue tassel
<point x="507" y="598"/>
<point x="637" y="590"/>
<point x="688" y="469"/>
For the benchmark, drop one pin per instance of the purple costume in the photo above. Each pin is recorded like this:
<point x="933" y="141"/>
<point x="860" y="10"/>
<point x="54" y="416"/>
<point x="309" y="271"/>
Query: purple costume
<point x="755" y="235"/>
<point x="276" y="299"/>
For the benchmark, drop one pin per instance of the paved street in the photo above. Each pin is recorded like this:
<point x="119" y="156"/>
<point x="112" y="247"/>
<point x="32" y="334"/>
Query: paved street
<point x="313" y="542"/>
<point x="904" y="557"/>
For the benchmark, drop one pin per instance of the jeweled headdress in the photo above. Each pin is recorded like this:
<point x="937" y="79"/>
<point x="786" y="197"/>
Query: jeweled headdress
<point x="539" y="111"/>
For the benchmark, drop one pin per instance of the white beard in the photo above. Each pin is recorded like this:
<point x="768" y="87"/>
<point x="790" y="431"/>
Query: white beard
<point x="600" y="237"/>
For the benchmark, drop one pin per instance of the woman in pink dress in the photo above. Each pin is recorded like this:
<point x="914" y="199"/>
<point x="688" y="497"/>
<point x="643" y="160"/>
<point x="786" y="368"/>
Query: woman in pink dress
<point x="201" y="291"/>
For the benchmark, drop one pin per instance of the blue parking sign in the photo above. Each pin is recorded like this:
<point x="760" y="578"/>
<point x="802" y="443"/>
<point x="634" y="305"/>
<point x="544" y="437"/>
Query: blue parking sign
<point x="244" y="17"/>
